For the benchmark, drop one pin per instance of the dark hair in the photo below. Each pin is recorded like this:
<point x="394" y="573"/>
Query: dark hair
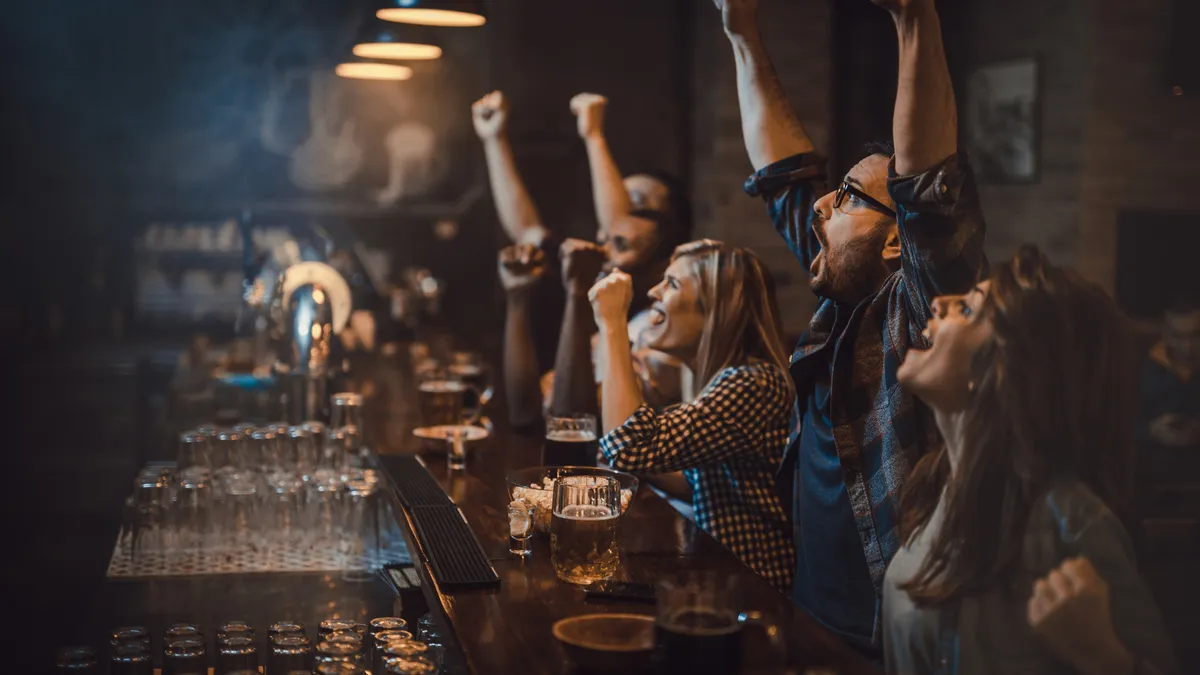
<point x="885" y="148"/>
<point x="1053" y="398"/>
<point x="675" y="224"/>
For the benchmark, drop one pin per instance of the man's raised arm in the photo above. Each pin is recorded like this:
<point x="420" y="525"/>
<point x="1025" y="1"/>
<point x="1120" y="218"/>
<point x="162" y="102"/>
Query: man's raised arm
<point x="940" y="220"/>
<point x="518" y="214"/>
<point x="925" y="123"/>
<point x="769" y="124"/>
<point x="608" y="186"/>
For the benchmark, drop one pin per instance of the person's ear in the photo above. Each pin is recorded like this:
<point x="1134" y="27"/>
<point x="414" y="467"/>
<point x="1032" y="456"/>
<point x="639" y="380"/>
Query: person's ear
<point x="891" y="247"/>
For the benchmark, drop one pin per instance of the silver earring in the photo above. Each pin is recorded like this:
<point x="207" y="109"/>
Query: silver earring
<point x="971" y="386"/>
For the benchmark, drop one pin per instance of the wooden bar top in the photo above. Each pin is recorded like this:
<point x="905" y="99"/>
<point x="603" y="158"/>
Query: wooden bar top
<point x="508" y="630"/>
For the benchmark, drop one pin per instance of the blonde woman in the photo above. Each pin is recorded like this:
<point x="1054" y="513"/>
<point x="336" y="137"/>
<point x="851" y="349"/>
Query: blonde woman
<point x="715" y="310"/>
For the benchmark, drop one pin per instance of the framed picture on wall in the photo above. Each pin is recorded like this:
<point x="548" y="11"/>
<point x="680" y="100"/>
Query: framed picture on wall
<point x="1003" y="121"/>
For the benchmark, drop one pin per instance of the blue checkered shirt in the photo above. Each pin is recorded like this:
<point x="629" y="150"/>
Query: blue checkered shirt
<point x="728" y="443"/>
<point x="879" y="429"/>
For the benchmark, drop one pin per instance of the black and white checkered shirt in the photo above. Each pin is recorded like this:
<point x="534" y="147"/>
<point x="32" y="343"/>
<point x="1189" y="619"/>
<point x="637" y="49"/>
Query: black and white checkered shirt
<point x="729" y="443"/>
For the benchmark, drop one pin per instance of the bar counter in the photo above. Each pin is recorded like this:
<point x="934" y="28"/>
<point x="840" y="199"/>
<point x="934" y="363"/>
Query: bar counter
<point x="508" y="630"/>
<point x="490" y="632"/>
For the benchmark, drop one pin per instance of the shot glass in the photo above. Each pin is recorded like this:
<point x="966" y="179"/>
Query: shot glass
<point x="520" y="527"/>
<point x="456" y="448"/>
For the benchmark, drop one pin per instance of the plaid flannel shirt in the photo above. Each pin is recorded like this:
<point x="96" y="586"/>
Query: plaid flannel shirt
<point x="879" y="429"/>
<point x="728" y="443"/>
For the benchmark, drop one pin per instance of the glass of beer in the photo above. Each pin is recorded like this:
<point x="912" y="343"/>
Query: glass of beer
<point x="470" y="369"/>
<point x="571" y="441"/>
<point x="583" y="528"/>
<point x="699" y="625"/>
<point x="444" y="400"/>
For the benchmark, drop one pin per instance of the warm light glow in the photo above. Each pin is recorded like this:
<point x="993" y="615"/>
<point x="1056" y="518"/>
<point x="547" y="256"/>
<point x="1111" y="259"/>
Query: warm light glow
<point x="373" y="71"/>
<point x="397" y="50"/>
<point x="431" y="17"/>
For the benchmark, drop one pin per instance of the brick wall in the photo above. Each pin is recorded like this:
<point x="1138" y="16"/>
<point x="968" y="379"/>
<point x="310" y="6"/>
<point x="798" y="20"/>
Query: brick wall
<point x="798" y="37"/>
<point x="1112" y="135"/>
<point x="1049" y="211"/>
<point x="1142" y="143"/>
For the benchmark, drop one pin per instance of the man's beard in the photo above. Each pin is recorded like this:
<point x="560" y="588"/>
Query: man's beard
<point x="850" y="274"/>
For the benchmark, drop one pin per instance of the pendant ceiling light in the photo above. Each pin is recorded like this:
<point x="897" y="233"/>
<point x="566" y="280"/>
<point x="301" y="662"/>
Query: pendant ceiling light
<point x="386" y="40"/>
<point x="453" y="13"/>
<point x="369" y="70"/>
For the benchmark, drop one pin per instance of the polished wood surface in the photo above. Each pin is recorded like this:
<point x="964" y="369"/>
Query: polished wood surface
<point x="509" y="630"/>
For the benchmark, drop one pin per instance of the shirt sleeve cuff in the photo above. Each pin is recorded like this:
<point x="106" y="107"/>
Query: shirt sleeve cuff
<point x="629" y="434"/>
<point x="939" y="186"/>
<point x="803" y="167"/>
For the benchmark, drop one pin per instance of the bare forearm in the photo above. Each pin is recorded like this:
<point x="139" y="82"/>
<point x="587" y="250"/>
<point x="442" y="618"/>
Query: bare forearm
<point x="608" y="186"/>
<point x="521" y="377"/>
<point x="925" y="124"/>
<point x="518" y="214"/>
<point x="574" y="378"/>
<point x="620" y="394"/>
<point x="770" y="127"/>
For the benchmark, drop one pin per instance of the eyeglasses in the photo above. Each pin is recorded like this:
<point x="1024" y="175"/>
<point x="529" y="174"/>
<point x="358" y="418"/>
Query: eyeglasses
<point x="847" y="189"/>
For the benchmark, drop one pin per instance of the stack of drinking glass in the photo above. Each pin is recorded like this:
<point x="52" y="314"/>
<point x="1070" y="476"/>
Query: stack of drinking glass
<point x="342" y="646"/>
<point x="257" y="496"/>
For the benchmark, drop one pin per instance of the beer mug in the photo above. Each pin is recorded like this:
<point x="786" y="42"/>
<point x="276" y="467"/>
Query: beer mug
<point x="570" y="441"/>
<point x="470" y="369"/>
<point x="698" y="629"/>
<point x="446" y="400"/>
<point x="583" y="528"/>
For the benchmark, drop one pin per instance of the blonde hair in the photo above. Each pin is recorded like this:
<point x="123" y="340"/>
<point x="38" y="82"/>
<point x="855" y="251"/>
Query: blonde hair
<point x="737" y="295"/>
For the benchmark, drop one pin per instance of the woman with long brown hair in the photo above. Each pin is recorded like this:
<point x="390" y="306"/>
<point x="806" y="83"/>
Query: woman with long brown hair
<point x="1013" y="553"/>
<point x="715" y="310"/>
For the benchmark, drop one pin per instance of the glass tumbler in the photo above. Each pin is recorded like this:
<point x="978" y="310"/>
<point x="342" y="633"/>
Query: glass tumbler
<point x="360" y="537"/>
<point x="240" y="526"/>
<point x="335" y="652"/>
<point x="193" y="513"/>
<point x="338" y="668"/>
<point x="305" y="451"/>
<point x="131" y="658"/>
<point x="195" y="452"/>
<point x="185" y="657"/>
<point x="77" y="661"/>
<point x="334" y="625"/>
<point x="324" y="517"/>
<point x="289" y="653"/>
<point x="281" y="629"/>
<point x="228" y="450"/>
<point x="129" y="635"/>
<point x="400" y="649"/>
<point x="346" y="412"/>
<point x="264" y="448"/>
<point x="284" y="513"/>
<point x="236" y="652"/>
<point x="413" y="665"/>
<point x="583" y="528"/>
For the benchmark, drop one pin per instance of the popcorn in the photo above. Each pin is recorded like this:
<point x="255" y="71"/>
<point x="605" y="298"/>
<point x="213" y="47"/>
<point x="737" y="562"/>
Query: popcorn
<point x="541" y="497"/>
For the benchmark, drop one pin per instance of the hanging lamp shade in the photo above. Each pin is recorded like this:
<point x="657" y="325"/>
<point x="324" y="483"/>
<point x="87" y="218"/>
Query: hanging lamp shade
<point x="373" y="70"/>
<point x="394" y="41"/>
<point x="452" y="13"/>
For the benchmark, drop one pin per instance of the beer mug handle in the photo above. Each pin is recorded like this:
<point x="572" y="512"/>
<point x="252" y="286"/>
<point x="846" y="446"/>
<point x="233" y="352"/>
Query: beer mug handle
<point x="773" y="633"/>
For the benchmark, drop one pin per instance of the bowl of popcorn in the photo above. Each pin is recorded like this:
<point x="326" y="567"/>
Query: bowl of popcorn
<point x="535" y="486"/>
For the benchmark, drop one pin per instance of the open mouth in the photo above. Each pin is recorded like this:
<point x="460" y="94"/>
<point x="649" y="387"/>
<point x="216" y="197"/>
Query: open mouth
<point x="814" y="268"/>
<point x="657" y="316"/>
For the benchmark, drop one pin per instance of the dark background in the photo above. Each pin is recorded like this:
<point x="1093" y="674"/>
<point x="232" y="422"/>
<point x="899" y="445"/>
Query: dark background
<point x="117" y="113"/>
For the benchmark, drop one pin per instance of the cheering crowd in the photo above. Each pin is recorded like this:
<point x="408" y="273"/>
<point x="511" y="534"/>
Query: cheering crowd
<point x="938" y="470"/>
